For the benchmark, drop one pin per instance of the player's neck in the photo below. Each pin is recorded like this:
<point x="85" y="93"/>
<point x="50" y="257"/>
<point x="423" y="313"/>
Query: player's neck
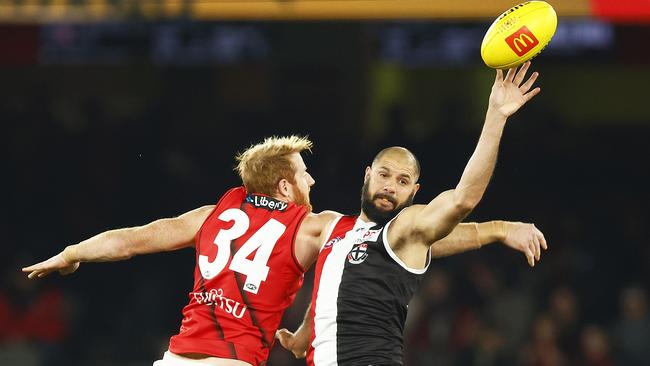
<point x="363" y="217"/>
<point x="281" y="198"/>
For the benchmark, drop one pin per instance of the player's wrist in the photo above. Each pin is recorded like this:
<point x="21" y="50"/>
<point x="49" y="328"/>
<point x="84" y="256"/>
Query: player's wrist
<point x="487" y="233"/>
<point x="500" y="230"/>
<point x="494" y="115"/>
<point x="70" y="255"/>
<point x="478" y="235"/>
<point x="493" y="231"/>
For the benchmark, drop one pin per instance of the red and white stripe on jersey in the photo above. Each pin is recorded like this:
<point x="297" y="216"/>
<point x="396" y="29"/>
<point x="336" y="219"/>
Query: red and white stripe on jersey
<point x="327" y="279"/>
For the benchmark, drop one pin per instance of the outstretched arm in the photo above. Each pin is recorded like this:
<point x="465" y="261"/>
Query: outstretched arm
<point x="523" y="237"/>
<point x="158" y="236"/>
<point x="427" y="224"/>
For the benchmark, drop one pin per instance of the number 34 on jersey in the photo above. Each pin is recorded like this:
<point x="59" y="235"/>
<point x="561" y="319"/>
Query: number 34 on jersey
<point x="263" y="240"/>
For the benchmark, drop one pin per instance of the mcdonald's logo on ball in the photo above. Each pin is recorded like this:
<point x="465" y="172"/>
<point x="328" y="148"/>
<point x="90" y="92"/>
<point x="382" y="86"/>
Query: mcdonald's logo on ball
<point x="522" y="41"/>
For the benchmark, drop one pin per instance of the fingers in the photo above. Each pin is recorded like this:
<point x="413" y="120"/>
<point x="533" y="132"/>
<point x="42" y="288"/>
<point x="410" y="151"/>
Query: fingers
<point x="528" y="96"/>
<point x="36" y="271"/>
<point x="542" y="240"/>
<point x="34" y="267"/>
<point x="46" y="267"/>
<point x="44" y="273"/>
<point x="536" y="246"/>
<point x="529" y="83"/>
<point x="282" y="332"/>
<point x="499" y="77"/>
<point x="286" y="337"/>
<point x="511" y="74"/>
<point x="530" y="257"/>
<point x="283" y="335"/>
<point x="39" y="274"/>
<point x="519" y="77"/>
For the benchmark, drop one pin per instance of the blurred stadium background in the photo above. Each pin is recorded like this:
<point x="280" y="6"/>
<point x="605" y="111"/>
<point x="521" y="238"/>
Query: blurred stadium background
<point x="117" y="112"/>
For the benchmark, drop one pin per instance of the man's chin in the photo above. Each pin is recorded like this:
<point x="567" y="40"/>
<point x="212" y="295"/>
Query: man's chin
<point x="385" y="206"/>
<point x="386" y="213"/>
<point x="385" y="209"/>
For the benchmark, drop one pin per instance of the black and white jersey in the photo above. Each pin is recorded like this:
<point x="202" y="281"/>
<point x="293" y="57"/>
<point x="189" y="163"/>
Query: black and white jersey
<point x="360" y="297"/>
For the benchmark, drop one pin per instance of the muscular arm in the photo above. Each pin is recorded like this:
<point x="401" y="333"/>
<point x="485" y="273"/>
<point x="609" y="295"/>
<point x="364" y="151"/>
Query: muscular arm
<point x="430" y="223"/>
<point x="520" y="236"/>
<point x="465" y="237"/>
<point x="113" y="245"/>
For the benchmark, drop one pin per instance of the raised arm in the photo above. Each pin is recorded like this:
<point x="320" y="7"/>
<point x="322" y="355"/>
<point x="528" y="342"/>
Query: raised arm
<point x="114" y="245"/>
<point x="523" y="237"/>
<point x="430" y="223"/>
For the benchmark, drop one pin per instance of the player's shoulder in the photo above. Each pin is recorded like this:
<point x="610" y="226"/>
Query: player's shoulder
<point x="328" y="214"/>
<point x="312" y="230"/>
<point x="204" y="210"/>
<point x="404" y="221"/>
<point x="324" y="217"/>
<point x="315" y="223"/>
<point x="409" y="212"/>
<point x="199" y="212"/>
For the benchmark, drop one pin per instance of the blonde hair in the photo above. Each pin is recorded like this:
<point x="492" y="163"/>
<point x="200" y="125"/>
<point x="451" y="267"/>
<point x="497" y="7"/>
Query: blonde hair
<point x="262" y="166"/>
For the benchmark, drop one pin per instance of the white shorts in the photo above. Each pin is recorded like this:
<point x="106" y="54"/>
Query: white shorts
<point x="172" y="359"/>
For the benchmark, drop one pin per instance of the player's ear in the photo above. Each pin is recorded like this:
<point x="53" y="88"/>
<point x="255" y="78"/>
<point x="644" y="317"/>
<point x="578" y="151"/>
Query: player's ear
<point x="283" y="188"/>
<point x="367" y="174"/>
<point x="416" y="189"/>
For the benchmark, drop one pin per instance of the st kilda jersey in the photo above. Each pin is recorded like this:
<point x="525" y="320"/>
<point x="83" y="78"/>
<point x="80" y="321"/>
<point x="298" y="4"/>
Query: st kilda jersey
<point x="360" y="297"/>
<point x="246" y="276"/>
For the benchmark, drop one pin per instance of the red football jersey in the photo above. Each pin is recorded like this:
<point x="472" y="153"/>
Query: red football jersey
<point x="246" y="276"/>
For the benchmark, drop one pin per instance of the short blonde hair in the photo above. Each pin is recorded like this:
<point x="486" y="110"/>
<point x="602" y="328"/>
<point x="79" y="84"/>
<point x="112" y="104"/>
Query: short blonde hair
<point x="262" y="166"/>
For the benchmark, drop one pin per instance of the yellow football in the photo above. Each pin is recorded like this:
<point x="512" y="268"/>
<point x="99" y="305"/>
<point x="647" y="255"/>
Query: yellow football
<point x="519" y="34"/>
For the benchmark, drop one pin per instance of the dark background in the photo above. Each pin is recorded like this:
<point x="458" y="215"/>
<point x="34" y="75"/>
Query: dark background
<point x="117" y="124"/>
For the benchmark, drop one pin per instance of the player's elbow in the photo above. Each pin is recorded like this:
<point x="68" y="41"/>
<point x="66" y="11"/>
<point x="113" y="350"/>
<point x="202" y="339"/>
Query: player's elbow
<point x="465" y="203"/>
<point x="466" y="206"/>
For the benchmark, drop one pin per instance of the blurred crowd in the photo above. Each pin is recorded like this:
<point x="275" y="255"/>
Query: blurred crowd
<point x="35" y="321"/>
<point x="508" y="323"/>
